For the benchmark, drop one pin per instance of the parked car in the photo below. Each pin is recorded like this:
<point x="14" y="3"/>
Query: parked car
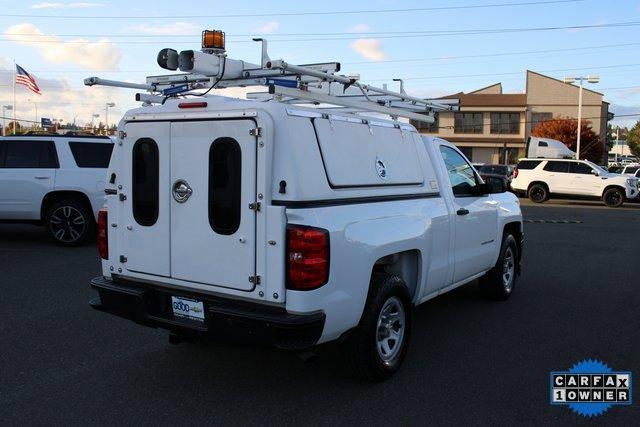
<point x="54" y="180"/>
<point x="273" y="225"/>
<point x="542" y="179"/>
<point x="631" y="170"/>
<point x="504" y="171"/>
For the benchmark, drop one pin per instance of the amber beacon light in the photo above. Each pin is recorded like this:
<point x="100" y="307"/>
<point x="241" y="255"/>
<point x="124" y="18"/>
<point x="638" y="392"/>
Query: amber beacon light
<point x="213" y="40"/>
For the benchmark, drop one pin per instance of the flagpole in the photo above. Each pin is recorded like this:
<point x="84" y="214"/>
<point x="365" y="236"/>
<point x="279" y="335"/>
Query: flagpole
<point x="15" y="125"/>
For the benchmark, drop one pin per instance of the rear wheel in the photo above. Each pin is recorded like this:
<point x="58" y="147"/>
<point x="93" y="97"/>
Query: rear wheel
<point x="377" y="347"/>
<point x="69" y="222"/>
<point x="538" y="193"/>
<point x="613" y="197"/>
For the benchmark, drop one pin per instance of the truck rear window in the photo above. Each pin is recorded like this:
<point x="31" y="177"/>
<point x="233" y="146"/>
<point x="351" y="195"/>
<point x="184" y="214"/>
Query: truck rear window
<point x="146" y="178"/>
<point x="225" y="177"/>
<point x="91" y="154"/>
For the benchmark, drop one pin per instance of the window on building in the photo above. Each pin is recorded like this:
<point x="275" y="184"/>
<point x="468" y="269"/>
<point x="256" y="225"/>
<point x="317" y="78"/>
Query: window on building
<point x="540" y="117"/>
<point x="225" y="168"/>
<point x="91" y="154"/>
<point x="505" y="123"/>
<point x="28" y="154"/>
<point x="146" y="181"/>
<point x="468" y="123"/>
<point x="425" y="127"/>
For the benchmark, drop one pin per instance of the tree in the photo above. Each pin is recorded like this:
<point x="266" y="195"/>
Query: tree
<point x="566" y="130"/>
<point x="633" y="139"/>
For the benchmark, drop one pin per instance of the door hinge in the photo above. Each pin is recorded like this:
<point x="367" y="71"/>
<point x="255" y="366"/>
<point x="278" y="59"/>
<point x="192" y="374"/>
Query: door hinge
<point x="254" y="279"/>
<point x="123" y="259"/>
<point x="255" y="132"/>
<point x="122" y="197"/>
<point x="122" y="134"/>
<point x="255" y="206"/>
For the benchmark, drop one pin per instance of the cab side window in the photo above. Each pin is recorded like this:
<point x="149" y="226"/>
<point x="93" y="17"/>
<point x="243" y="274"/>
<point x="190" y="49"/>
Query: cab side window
<point x="461" y="175"/>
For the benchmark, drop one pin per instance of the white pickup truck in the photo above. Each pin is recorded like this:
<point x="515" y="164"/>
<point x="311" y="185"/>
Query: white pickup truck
<point x="291" y="227"/>
<point x="542" y="179"/>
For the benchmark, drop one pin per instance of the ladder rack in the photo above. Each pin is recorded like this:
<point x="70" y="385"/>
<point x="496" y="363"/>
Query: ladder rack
<point x="314" y="84"/>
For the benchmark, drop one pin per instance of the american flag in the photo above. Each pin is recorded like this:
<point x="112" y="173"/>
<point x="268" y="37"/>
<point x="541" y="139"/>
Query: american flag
<point x="24" y="78"/>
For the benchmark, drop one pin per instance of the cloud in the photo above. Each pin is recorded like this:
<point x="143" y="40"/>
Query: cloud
<point x="369" y="48"/>
<point x="80" y="5"/>
<point x="185" y="28"/>
<point x="60" y="100"/>
<point x="267" y="27"/>
<point x="360" y="28"/>
<point x="100" y="55"/>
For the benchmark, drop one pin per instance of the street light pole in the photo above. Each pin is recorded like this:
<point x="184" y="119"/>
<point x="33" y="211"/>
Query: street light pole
<point x="106" y="115"/>
<point x="589" y="79"/>
<point x="5" y="108"/>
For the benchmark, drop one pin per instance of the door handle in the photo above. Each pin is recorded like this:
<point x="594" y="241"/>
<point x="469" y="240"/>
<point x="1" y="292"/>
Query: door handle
<point x="462" y="211"/>
<point x="42" y="177"/>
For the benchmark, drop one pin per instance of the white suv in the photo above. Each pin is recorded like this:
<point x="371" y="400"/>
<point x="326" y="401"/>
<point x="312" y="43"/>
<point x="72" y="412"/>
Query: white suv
<point x="541" y="179"/>
<point x="54" y="180"/>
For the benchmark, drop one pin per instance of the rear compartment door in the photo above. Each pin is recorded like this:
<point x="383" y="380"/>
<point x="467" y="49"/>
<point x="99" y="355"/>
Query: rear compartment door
<point x="144" y="198"/>
<point x="213" y="182"/>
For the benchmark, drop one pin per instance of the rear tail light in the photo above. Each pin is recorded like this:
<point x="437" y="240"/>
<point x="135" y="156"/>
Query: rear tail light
<point x="103" y="239"/>
<point x="307" y="257"/>
<point x="515" y="172"/>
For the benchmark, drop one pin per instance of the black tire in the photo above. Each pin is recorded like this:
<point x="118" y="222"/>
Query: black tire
<point x="69" y="222"/>
<point x="538" y="193"/>
<point x="361" y="348"/>
<point x="499" y="283"/>
<point x="613" y="197"/>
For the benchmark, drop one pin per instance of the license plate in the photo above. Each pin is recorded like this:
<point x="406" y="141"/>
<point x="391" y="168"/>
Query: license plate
<point x="187" y="308"/>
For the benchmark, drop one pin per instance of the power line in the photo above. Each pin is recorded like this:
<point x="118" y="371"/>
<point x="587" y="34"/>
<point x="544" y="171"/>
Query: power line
<point x="318" y="13"/>
<point x="347" y="36"/>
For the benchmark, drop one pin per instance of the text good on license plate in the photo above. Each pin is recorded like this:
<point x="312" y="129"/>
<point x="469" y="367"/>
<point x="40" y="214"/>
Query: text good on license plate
<point x="187" y="308"/>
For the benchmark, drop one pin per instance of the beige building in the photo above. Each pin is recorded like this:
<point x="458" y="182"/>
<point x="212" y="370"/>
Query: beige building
<point x="490" y="123"/>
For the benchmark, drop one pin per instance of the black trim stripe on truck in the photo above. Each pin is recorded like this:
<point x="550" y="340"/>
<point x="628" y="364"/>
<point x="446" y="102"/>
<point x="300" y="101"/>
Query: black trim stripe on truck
<point x="304" y="204"/>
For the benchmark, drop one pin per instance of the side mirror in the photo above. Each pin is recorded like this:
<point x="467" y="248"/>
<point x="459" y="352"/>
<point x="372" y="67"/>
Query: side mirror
<point x="594" y="172"/>
<point x="495" y="185"/>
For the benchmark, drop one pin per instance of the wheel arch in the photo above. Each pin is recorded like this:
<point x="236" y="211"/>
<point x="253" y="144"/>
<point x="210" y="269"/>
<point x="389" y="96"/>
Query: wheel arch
<point x="532" y="183"/>
<point x="55" y="196"/>
<point x="616" y="186"/>
<point x="405" y="264"/>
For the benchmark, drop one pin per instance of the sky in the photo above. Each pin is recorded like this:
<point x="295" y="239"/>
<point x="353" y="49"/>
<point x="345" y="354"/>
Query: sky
<point x="438" y="47"/>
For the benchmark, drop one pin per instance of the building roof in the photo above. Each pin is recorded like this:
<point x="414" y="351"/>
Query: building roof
<point x="561" y="81"/>
<point x="489" y="100"/>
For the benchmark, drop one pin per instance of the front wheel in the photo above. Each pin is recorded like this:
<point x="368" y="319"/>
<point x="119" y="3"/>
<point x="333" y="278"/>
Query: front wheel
<point x="613" y="197"/>
<point x="377" y="347"/>
<point x="69" y="223"/>
<point x="500" y="281"/>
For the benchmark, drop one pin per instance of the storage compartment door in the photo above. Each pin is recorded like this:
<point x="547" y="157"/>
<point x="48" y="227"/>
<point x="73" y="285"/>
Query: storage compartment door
<point x="213" y="229"/>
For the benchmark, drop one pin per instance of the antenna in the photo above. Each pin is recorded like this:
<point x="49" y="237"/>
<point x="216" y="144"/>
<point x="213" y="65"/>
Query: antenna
<point x="314" y="84"/>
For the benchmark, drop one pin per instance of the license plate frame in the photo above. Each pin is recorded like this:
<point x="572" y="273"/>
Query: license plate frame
<point x="187" y="309"/>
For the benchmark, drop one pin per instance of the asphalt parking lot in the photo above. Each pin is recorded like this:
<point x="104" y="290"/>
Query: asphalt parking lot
<point x="471" y="361"/>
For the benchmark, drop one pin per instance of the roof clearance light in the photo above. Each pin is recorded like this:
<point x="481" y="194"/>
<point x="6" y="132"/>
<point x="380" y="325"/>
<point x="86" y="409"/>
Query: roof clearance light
<point x="213" y="40"/>
<point x="192" y="105"/>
